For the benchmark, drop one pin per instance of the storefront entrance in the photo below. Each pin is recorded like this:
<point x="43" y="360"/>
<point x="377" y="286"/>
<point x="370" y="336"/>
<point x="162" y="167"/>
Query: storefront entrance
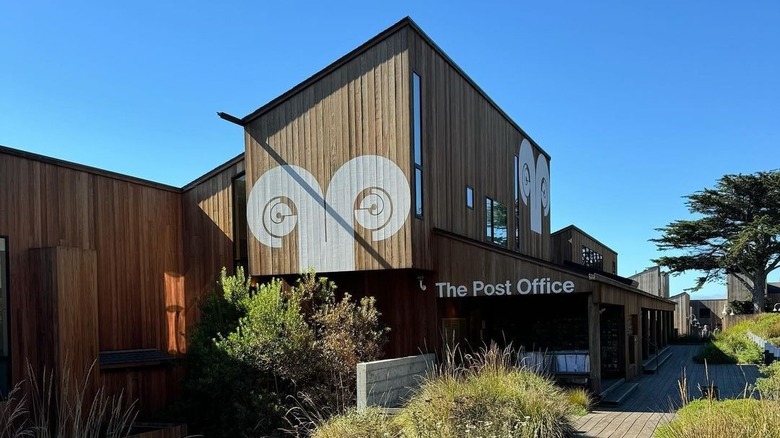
<point x="612" y="340"/>
<point x="534" y="323"/>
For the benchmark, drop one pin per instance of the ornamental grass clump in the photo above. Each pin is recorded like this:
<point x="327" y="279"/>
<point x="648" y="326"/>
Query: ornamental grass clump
<point x="739" y="418"/>
<point x="486" y="395"/>
<point x="368" y="423"/>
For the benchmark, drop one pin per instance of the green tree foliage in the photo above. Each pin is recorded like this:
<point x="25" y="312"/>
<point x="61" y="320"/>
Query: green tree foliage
<point x="737" y="230"/>
<point x="256" y="349"/>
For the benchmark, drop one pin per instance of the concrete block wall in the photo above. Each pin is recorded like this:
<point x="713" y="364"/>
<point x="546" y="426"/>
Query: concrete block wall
<point x="387" y="383"/>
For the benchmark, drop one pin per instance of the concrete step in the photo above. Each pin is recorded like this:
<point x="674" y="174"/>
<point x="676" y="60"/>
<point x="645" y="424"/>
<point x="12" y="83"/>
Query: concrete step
<point x="617" y="394"/>
<point x="650" y="366"/>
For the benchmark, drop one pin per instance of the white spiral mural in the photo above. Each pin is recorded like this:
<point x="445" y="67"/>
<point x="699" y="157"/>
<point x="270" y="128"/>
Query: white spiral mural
<point x="369" y="190"/>
<point x="534" y="184"/>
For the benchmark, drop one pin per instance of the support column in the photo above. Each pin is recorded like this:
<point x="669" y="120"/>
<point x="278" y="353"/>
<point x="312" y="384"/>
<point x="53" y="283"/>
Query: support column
<point x="645" y="334"/>
<point x="664" y="320"/>
<point x="594" y="344"/>
<point x="653" y="332"/>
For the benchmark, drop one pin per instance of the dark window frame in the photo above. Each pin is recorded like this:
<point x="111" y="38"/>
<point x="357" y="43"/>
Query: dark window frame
<point x="7" y="317"/>
<point x="239" y="261"/>
<point x="490" y="222"/>
<point x="592" y="258"/>
<point x="517" y="201"/>
<point x="469" y="192"/>
<point x="417" y="153"/>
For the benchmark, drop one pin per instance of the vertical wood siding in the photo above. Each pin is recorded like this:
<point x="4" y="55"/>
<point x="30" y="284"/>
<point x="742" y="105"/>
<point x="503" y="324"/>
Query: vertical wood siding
<point x="133" y="230"/>
<point x="360" y="108"/>
<point x="567" y="247"/>
<point x="208" y="234"/>
<point x="467" y="141"/>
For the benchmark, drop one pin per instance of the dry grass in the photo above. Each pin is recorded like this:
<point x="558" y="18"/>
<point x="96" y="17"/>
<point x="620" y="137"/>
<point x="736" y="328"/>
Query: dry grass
<point x="739" y="418"/>
<point x="484" y="394"/>
<point x="746" y="417"/>
<point x="42" y="409"/>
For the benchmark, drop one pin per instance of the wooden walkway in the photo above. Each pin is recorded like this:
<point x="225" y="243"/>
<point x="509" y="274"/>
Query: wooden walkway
<point x="658" y="395"/>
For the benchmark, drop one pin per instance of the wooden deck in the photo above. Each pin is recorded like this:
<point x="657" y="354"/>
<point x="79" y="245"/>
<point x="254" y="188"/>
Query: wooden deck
<point x="658" y="395"/>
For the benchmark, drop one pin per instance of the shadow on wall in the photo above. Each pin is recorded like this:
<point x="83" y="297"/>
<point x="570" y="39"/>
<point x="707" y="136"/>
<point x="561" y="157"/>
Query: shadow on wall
<point x="207" y="241"/>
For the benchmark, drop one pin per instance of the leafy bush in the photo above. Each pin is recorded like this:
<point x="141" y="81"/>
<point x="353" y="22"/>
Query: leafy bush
<point x="769" y="386"/>
<point x="740" y="418"/>
<point x="738" y="307"/>
<point x="486" y="396"/>
<point x="712" y="354"/>
<point x="257" y="348"/>
<point x="733" y="346"/>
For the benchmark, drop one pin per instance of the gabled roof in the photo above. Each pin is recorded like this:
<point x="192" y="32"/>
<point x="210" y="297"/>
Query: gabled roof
<point x="579" y="230"/>
<point x="405" y="22"/>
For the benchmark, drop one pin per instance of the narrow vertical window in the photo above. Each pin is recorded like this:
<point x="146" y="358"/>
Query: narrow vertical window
<point x="488" y="219"/>
<point x="517" y="203"/>
<point x="5" y="339"/>
<point x="240" y="257"/>
<point x="417" y="145"/>
<point x="469" y="197"/>
<point x="495" y="220"/>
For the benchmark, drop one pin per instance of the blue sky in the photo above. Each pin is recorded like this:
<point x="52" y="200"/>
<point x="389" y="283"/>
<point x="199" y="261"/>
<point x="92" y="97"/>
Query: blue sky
<point x="638" y="103"/>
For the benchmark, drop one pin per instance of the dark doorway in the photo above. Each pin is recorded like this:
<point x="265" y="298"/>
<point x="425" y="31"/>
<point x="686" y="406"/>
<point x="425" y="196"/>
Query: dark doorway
<point x="612" y="323"/>
<point x="539" y="322"/>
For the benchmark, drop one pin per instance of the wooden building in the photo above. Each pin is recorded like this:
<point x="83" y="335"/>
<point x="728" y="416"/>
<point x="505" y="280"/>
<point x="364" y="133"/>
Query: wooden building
<point x="394" y="173"/>
<point x="653" y="280"/>
<point x="390" y="171"/>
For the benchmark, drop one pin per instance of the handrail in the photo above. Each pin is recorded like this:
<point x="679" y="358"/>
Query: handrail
<point x="657" y="353"/>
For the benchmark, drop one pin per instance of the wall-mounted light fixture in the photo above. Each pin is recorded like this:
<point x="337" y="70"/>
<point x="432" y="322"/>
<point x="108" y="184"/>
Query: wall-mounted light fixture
<point x="420" y="279"/>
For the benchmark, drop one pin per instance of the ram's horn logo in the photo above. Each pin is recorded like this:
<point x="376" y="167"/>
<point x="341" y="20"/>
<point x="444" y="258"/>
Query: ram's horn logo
<point x="535" y="184"/>
<point x="370" y="190"/>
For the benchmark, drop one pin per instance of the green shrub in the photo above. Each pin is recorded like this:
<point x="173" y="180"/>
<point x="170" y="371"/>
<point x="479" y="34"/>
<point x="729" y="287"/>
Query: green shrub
<point x="486" y="396"/>
<point x="368" y="423"/>
<point x="733" y="346"/>
<point x="769" y="387"/>
<point x="740" y="418"/>
<point x="257" y="349"/>
<point x="712" y="354"/>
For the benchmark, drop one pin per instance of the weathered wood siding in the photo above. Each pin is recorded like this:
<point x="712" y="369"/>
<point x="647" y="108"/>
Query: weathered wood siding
<point x="567" y="246"/>
<point x="635" y="304"/>
<point x="476" y="261"/>
<point x="131" y="227"/>
<point x="653" y="281"/>
<point x="682" y="313"/>
<point x="467" y="141"/>
<point x="207" y="206"/>
<point x="359" y="108"/>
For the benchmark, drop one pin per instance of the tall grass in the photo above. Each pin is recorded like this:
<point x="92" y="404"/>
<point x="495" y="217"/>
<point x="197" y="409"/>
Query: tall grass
<point x="481" y="394"/>
<point x="745" y="417"/>
<point x="739" y="418"/>
<point x="58" y="407"/>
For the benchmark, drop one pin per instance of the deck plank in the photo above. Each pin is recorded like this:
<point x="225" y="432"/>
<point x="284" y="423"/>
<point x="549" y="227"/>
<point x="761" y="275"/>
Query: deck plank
<point x="653" y="403"/>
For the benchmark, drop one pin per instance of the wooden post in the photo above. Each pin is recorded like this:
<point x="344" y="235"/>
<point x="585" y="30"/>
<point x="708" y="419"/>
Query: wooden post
<point x="594" y="344"/>
<point x="653" y="331"/>
<point x="645" y="333"/>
